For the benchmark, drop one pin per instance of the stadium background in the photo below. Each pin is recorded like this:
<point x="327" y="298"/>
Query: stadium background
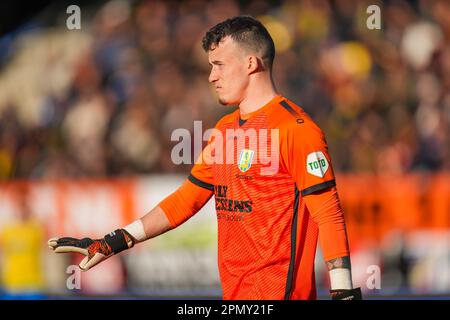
<point x="86" y="118"/>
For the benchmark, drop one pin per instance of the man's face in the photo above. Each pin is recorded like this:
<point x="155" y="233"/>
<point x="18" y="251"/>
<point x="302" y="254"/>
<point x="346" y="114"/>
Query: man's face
<point x="229" y="74"/>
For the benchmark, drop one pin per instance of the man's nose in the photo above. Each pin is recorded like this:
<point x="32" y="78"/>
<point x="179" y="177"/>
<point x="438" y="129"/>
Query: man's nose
<point x="212" y="76"/>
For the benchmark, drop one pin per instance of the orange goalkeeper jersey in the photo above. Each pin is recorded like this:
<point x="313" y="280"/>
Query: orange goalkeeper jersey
<point x="259" y="170"/>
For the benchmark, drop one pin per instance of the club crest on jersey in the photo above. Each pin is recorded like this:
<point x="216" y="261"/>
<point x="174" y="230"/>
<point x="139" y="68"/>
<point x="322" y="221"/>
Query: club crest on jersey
<point x="245" y="160"/>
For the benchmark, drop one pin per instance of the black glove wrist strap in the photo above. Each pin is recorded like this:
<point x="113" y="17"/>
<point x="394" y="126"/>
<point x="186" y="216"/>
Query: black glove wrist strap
<point x="116" y="240"/>
<point x="351" y="294"/>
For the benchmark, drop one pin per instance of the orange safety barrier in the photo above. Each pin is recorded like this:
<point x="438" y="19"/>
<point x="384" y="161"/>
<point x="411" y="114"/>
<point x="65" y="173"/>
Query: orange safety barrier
<point x="374" y="205"/>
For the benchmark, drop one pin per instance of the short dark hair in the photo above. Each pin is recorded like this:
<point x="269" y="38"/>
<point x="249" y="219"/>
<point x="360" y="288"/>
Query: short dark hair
<point x="247" y="32"/>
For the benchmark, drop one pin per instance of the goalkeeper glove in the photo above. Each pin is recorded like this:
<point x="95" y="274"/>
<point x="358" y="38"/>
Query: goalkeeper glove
<point x="95" y="250"/>
<point x="346" y="294"/>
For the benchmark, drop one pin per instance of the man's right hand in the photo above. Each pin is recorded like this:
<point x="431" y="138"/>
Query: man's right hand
<point x="95" y="250"/>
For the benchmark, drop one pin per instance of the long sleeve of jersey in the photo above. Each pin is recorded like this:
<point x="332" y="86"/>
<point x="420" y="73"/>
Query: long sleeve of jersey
<point x="187" y="200"/>
<point x="326" y="211"/>
<point x="304" y="152"/>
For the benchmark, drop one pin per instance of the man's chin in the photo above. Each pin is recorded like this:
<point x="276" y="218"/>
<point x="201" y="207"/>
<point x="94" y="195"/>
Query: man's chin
<point x="223" y="102"/>
<point x="226" y="102"/>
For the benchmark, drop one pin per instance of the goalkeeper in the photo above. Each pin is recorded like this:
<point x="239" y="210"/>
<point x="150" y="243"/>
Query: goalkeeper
<point x="269" y="221"/>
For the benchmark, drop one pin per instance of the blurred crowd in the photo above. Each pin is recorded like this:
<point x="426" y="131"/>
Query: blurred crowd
<point x="104" y="100"/>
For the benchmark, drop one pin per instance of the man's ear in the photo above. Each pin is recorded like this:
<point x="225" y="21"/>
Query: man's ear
<point x="253" y="64"/>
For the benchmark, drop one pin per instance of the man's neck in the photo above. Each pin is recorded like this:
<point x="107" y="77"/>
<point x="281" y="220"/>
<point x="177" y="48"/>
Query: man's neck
<point x="258" y="96"/>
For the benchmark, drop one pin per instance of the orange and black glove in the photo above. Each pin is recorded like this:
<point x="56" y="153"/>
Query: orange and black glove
<point x="95" y="250"/>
